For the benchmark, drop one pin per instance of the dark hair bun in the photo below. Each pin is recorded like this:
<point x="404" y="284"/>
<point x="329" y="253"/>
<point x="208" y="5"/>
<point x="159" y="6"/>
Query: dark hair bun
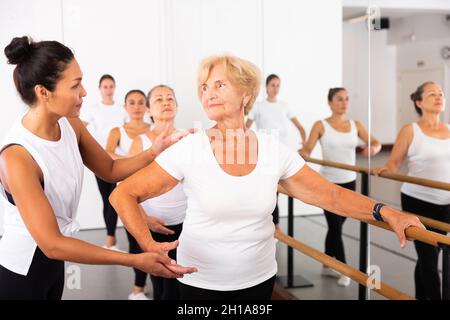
<point x="18" y="50"/>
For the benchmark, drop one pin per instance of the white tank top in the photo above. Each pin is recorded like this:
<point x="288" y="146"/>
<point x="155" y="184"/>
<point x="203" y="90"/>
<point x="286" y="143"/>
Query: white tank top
<point x="170" y="206"/>
<point x="428" y="158"/>
<point x="339" y="147"/>
<point x="62" y="168"/>
<point x="124" y="143"/>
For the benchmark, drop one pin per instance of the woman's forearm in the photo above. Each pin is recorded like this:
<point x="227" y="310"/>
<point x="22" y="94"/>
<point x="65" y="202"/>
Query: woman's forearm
<point x="351" y="204"/>
<point x="116" y="156"/>
<point x="78" y="251"/>
<point x="125" y="167"/>
<point x="130" y="212"/>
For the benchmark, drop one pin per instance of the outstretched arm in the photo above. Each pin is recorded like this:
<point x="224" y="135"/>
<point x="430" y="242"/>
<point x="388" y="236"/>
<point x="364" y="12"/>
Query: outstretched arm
<point x="98" y="160"/>
<point x="310" y="187"/>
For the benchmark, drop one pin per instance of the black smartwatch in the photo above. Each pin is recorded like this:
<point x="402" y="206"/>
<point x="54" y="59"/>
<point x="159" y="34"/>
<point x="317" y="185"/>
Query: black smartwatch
<point x="376" y="211"/>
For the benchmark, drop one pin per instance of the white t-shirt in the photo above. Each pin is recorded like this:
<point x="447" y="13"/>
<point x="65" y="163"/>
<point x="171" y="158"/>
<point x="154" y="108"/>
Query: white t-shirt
<point x="228" y="230"/>
<point x="272" y="116"/>
<point x="102" y="118"/>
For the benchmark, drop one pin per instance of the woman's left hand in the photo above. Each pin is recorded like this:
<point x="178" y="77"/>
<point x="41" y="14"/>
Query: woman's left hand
<point x="399" y="222"/>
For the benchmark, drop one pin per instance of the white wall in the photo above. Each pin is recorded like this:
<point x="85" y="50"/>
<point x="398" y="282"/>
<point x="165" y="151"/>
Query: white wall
<point x="303" y="45"/>
<point x="423" y="51"/>
<point x="143" y="43"/>
<point x="383" y="59"/>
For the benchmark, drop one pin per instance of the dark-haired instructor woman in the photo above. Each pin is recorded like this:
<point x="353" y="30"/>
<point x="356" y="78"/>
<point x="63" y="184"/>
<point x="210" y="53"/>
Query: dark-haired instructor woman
<point x="41" y="172"/>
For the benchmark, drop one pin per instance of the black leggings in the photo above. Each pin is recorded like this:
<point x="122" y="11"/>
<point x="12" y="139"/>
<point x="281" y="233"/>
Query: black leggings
<point x="139" y="275"/>
<point x="334" y="246"/>
<point x="109" y="213"/>
<point x="44" y="281"/>
<point x="163" y="289"/>
<point x="262" y="291"/>
<point x="426" y="275"/>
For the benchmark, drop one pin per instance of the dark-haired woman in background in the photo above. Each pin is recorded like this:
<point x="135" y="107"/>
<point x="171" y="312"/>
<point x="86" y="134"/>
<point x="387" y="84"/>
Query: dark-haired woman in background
<point x="338" y="137"/>
<point x="100" y="119"/>
<point x="426" y="146"/>
<point x="272" y="114"/>
<point x="120" y="138"/>
<point x="118" y="146"/>
<point x="41" y="174"/>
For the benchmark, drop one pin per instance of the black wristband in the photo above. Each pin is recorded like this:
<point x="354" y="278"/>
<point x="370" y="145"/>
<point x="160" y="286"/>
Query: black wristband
<point x="376" y="211"/>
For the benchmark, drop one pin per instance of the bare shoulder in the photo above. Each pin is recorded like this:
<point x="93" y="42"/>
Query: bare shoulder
<point x="406" y="130"/>
<point x="115" y="132"/>
<point x="358" y="124"/>
<point x="318" y="127"/>
<point x="406" y="133"/>
<point x="78" y="126"/>
<point x="16" y="161"/>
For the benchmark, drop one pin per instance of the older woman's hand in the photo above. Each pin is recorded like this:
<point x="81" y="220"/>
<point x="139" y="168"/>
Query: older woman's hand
<point x="399" y="222"/>
<point x="157" y="225"/>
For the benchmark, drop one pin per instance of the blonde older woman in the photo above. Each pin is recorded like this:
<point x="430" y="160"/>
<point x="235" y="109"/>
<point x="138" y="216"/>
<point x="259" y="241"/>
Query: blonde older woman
<point x="230" y="176"/>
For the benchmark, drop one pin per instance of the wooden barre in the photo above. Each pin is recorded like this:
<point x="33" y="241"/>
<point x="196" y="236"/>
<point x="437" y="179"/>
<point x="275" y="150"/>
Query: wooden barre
<point x="392" y="176"/>
<point x="397" y="177"/>
<point x="415" y="233"/>
<point x="358" y="276"/>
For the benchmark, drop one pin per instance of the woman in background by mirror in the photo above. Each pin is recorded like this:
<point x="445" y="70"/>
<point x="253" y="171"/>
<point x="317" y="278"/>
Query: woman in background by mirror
<point x="339" y="137"/>
<point x="100" y="118"/>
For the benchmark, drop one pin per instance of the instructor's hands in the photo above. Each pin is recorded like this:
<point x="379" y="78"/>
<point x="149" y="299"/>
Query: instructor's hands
<point x="157" y="262"/>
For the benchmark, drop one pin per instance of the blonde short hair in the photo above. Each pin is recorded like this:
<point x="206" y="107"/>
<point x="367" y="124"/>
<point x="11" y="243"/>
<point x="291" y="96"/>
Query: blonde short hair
<point x="242" y="73"/>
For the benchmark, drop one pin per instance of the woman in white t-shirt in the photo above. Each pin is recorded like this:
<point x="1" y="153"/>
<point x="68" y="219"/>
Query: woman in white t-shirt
<point x="338" y="137"/>
<point x="426" y="146"/>
<point x="164" y="214"/>
<point x="100" y="119"/>
<point x="42" y="161"/>
<point x="230" y="176"/>
<point x="273" y="114"/>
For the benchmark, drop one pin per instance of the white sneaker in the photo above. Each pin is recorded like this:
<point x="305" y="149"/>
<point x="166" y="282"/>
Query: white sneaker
<point x="344" y="281"/>
<point x="114" y="248"/>
<point x="138" y="296"/>
<point x="328" y="272"/>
